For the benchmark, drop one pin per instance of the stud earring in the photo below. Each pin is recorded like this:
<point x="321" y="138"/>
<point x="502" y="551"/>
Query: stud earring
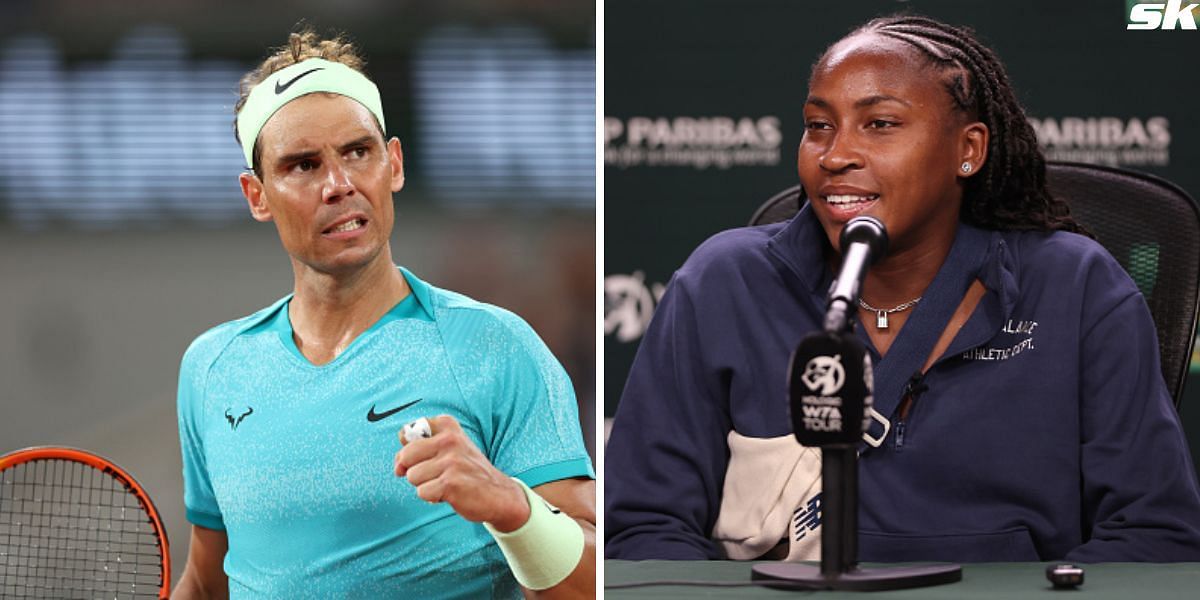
<point x="966" y="167"/>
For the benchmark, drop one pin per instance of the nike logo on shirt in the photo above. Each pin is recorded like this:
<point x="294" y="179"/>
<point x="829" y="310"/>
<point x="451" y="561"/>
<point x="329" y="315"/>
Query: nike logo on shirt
<point x="279" y="89"/>
<point x="373" y="416"/>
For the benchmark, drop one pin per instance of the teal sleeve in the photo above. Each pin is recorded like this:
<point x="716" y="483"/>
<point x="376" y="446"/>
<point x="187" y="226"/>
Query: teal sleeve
<point x="532" y="430"/>
<point x="198" y="496"/>
<point x="575" y="467"/>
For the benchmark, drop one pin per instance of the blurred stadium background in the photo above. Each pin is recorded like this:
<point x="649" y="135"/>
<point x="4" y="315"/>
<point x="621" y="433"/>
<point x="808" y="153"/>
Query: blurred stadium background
<point x="123" y="234"/>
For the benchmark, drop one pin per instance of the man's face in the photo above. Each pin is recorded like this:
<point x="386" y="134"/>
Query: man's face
<point x="327" y="183"/>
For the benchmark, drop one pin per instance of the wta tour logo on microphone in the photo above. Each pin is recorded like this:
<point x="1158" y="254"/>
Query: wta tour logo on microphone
<point x="830" y="387"/>
<point x="824" y="376"/>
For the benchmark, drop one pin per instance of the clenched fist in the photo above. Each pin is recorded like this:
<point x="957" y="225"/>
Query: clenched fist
<point x="448" y="467"/>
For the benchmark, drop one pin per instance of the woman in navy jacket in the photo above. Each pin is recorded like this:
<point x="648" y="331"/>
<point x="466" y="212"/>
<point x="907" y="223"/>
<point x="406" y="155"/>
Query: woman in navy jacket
<point x="1022" y="414"/>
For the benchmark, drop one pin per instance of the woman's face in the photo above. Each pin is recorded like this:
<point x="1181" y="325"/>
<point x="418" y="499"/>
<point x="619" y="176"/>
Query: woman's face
<point x="882" y="137"/>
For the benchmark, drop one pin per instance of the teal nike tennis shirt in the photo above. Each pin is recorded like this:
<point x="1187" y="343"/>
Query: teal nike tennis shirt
<point x="294" y="461"/>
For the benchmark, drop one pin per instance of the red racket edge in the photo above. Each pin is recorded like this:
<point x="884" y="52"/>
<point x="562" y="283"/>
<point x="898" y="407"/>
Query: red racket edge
<point x="25" y="455"/>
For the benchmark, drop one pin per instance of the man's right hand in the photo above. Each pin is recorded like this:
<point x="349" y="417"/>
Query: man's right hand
<point x="448" y="467"/>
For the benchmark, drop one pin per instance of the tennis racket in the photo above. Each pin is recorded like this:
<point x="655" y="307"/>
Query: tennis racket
<point x="75" y="525"/>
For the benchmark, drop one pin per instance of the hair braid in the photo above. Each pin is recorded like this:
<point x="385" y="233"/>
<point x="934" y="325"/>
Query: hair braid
<point x="1010" y="190"/>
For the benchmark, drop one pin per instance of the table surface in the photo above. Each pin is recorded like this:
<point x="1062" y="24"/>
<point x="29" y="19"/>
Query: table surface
<point x="1139" y="581"/>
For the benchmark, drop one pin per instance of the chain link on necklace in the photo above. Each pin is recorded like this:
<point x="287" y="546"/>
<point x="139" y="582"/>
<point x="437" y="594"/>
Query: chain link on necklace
<point x="881" y="314"/>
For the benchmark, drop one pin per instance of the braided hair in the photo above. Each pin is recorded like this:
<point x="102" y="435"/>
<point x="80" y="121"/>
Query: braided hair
<point x="1009" y="192"/>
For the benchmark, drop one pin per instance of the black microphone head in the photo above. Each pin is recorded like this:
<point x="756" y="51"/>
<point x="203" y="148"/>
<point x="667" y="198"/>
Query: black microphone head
<point x="867" y="230"/>
<point x="830" y="389"/>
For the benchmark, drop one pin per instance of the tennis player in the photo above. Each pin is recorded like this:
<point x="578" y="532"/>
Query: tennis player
<point x="1021" y="413"/>
<point x="295" y="481"/>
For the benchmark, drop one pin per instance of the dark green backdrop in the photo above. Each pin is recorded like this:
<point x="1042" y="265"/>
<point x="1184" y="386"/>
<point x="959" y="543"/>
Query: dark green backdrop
<point x="703" y="102"/>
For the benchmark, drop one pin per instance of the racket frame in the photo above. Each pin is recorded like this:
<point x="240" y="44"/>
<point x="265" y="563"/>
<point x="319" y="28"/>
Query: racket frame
<point x="113" y="470"/>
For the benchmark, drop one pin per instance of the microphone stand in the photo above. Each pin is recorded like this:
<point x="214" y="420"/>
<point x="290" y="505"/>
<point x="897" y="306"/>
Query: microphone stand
<point x="839" y="569"/>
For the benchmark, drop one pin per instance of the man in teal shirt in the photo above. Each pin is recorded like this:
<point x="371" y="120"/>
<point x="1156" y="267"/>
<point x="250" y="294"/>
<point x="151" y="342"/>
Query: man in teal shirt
<point x="295" y="482"/>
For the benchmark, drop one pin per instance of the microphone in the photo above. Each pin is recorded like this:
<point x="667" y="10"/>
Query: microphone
<point x="830" y="390"/>
<point x="864" y="241"/>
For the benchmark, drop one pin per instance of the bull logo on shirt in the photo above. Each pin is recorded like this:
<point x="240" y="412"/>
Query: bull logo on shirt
<point x="235" y="417"/>
<point x="824" y="375"/>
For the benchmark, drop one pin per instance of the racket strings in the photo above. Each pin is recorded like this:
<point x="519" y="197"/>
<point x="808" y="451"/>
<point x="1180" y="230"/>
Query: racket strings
<point x="69" y="530"/>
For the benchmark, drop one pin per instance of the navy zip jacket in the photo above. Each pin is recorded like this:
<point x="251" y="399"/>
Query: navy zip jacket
<point x="1045" y="431"/>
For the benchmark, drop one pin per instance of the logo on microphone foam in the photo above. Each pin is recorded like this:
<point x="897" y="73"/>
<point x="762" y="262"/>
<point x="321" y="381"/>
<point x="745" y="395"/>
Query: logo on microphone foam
<point x="824" y="375"/>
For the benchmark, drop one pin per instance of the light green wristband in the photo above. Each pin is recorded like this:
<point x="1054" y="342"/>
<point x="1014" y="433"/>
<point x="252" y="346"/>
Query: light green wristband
<point x="546" y="549"/>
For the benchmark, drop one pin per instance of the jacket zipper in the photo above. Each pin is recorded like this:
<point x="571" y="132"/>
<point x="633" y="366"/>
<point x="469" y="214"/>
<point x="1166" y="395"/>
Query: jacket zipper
<point x="912" y="391"/>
